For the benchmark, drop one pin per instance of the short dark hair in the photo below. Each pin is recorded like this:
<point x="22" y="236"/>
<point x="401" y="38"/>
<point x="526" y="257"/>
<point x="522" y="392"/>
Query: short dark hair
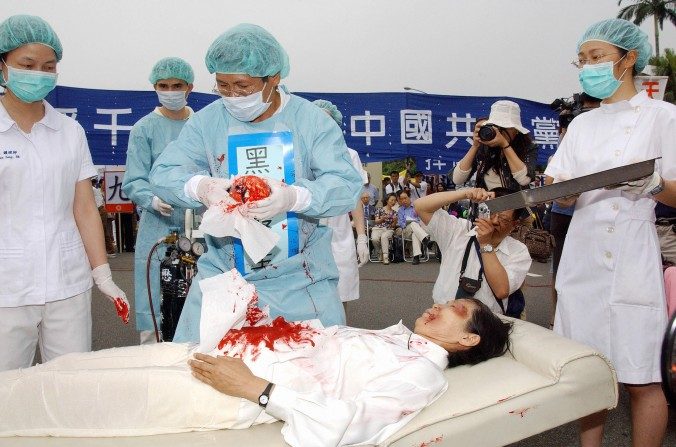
<point x="387" y="197"/>
<point x="394" y="172"/>
<point x="403" y="191"/>
<point x="494" y="333"/>
<point x="519" y="213"/>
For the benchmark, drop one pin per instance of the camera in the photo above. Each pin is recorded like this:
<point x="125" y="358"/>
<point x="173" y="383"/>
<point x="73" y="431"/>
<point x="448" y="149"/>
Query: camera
<point x="569" y="108"/>
<point x="483" y="212"/>
<point x="487" y="132"/>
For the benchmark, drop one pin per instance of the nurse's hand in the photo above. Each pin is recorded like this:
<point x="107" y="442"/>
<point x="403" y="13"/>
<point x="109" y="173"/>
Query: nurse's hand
<point x="362" y="249"/>
<point x="211" y="191"/>
<point x="641" y="186"/>
<point x="104" y="281"/>
<point x="162" y="207"/>
<point x="281" y="200"/>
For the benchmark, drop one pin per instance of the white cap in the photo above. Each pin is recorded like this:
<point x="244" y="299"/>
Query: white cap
<point x="506" y="114"/>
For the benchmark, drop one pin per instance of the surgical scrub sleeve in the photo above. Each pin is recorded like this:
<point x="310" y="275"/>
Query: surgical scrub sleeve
<point x="302" y="286"/>
<point x="148" y="138"/>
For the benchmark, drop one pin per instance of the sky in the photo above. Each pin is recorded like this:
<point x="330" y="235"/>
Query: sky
<point x="520" y="48"/>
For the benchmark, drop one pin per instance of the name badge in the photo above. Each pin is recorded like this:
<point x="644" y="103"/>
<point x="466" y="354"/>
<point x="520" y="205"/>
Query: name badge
<point x="268" y="155"/>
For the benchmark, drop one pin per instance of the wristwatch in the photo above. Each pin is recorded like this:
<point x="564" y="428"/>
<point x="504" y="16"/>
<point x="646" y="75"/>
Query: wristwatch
<point x="657" y="189"/>
<point x="488" y="248"/>
<point x="264" y="398"/>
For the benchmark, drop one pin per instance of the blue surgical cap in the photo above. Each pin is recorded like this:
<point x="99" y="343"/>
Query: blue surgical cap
<point x="22" y="30"/>
<point x="329" y="107"/>
<point x="247" y="49"/>
<point x="171" y="67"/>
<point x="622" y="34"/>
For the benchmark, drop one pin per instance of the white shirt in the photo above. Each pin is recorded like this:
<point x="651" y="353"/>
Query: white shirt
<point x="418" y="192"/>
<point x="451" y="235"/>
<point x="610" y="284"/>
<point x="389" y="189"/>
<point x="42" y="257"/>
<point x="491" y="178"/>
<point x="354" y="386"/>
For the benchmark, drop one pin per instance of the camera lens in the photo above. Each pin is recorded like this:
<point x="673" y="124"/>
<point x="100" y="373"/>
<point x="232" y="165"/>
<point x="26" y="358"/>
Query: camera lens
<point x="487" y="133"/>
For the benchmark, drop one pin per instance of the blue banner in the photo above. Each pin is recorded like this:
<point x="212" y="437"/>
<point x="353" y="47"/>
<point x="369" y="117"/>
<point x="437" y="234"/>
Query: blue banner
<point x="434" y="129"/>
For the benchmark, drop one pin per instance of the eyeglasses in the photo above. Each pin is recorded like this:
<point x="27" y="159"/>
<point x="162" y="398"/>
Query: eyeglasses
<point x="503" y="219"/>
<point x="595" y="59"/>
<point x="233" y="91"/>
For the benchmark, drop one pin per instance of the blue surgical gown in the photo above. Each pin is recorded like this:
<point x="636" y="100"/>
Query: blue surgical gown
<point x="300" y="287"/>
<point x="148" y="138"/>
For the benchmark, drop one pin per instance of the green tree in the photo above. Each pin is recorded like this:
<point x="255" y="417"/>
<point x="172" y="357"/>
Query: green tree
<point x="666" y="66"/>
<point x="659" y="9"/>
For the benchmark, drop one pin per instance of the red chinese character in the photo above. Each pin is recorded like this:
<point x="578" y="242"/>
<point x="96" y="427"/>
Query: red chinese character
<point x="649" y="87"/>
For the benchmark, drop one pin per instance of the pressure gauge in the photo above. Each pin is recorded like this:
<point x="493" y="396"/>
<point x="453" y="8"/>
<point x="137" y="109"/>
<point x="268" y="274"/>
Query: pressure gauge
<point x="183" y="244"/>
<point x="198" y="248"/>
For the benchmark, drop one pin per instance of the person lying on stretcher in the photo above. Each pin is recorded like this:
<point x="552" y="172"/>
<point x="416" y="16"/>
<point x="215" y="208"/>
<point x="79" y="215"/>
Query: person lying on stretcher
<point x="331" y="386"/>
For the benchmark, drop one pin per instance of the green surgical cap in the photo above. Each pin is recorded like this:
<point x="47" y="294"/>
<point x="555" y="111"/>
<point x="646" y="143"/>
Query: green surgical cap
<point x="247" y="49"/>
<point x="171" y="67"/>
<point x="622" y="34"/>
<point x="22" y="30"/>
<point x="328" y="106"/>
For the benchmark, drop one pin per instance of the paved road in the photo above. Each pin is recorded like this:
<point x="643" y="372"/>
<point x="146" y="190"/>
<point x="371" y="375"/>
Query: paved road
<point x="390" y="293"/>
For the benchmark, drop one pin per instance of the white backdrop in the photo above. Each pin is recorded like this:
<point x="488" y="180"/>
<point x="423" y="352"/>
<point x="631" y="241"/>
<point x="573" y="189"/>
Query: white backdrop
<point x="520" y="48"/>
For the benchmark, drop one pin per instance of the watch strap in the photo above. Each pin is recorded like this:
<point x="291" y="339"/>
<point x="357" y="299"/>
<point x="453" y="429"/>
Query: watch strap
<point x="264" y="398"/>
<point x="487" y="248"/>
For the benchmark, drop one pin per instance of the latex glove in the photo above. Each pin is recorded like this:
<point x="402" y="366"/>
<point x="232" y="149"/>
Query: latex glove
<point x="282" y="199"/>
<point x="162" y="207"/>
<point x="362" y="249"/>
<point x="211" y="191"/>
<point x="104" y="281"/>
<point x="640" y="186"/>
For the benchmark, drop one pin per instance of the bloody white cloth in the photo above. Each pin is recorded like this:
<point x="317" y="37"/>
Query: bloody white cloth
<point x="334" y="386"/>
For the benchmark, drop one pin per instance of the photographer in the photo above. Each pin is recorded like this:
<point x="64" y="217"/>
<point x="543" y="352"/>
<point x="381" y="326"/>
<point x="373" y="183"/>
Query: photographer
<point x="502" y="154"/>
<point x="492" y="262"/>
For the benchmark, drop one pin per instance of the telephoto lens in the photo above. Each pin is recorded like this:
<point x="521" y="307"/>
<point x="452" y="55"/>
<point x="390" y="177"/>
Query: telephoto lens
<point x="487" y="132"/>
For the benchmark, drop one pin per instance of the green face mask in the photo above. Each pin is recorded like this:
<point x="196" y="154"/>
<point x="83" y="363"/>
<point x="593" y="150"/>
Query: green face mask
<point x="29" y="85"/>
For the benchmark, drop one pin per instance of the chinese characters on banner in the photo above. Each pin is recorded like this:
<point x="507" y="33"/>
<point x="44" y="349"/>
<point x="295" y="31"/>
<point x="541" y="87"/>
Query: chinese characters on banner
<point x="435" y="129"/>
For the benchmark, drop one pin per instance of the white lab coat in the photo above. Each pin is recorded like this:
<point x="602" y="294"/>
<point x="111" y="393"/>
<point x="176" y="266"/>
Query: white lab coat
<point x="609" y="283"/>
<point x="42" y="257"/>
<point x="343" y="245"/>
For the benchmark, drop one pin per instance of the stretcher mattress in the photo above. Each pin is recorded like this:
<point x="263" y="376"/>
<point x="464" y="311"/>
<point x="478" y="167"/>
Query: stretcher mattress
<point x="545" y="381"/>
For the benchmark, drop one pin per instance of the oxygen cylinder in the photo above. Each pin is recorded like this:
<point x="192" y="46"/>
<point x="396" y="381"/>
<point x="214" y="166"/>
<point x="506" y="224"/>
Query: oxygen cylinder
<point x="174" y="290"/>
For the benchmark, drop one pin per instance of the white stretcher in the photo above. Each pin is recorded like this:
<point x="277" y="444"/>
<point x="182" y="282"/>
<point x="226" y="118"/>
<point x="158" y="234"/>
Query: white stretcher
<point x="547" y="381"/>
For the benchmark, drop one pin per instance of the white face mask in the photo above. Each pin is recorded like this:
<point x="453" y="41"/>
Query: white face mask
<point x="174" y="100"/>
<point x="247" y="108"/>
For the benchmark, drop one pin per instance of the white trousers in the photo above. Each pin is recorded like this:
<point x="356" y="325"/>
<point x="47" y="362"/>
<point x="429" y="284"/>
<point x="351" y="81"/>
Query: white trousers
<point x="381" y="239"/>
<point x="414" y="231"/>
<point x="60" y="327"/>
<point x="132" y="391"/>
